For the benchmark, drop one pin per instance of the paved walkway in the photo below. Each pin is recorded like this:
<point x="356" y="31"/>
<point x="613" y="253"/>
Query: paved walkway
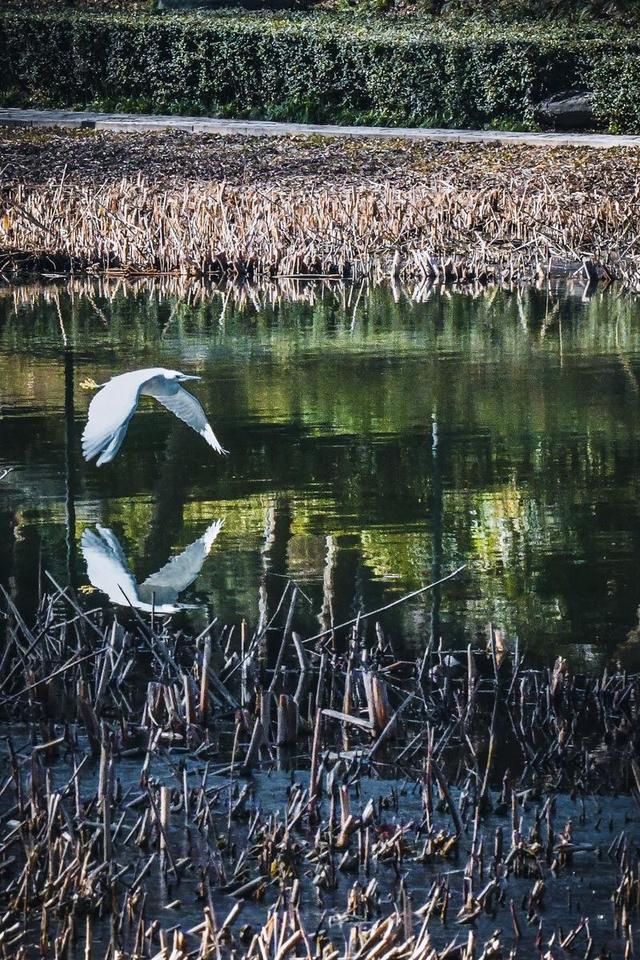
<point x="262" y="128"/>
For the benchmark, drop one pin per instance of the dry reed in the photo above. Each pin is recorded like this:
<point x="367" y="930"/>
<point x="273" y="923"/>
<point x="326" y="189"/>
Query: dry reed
<point x="377" y="231"/>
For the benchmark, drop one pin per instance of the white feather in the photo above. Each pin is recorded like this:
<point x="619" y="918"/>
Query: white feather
<point x="112" y="408"/>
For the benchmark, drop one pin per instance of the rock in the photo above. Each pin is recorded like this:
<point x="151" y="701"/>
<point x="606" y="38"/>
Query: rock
<point x="567" y="111"/>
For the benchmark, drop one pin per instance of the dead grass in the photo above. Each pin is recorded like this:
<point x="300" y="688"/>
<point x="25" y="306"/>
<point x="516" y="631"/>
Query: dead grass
<point x="211" y="205"/>
<point x="172" y="158"/>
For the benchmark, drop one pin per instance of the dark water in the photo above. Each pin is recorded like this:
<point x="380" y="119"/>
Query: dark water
<point x="375" y="444"/>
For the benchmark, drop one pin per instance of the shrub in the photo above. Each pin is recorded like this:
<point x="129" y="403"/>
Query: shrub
<point x="615" y="80"/>
<point x="314" y="66"/>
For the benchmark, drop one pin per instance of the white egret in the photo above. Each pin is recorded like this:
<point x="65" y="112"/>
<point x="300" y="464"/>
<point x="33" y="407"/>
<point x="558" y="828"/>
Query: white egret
<point x="108" y="571"/>
<point x="112" y="408"/>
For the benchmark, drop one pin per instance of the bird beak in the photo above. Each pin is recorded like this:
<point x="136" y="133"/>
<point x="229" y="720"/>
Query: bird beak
<point x="190" y="378"/>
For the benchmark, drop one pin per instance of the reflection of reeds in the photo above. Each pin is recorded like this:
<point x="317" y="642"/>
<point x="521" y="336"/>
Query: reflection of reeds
<point x="378" y="231"/>
<point x="260" y="294"/>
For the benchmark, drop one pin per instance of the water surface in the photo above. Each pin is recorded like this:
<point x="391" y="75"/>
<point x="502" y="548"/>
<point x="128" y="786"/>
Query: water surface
<point x="376" y="442"/>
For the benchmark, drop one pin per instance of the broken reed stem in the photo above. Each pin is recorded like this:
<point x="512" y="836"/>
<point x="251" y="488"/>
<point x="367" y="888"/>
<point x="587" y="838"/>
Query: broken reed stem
<point x="204" y="680"/>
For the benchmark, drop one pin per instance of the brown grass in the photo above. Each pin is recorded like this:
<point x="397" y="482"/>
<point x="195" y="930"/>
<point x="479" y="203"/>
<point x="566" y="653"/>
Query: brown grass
<point x="291" y="207"/>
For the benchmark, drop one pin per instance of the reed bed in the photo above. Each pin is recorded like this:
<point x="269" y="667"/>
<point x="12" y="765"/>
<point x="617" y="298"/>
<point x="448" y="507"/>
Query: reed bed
<point x="377" y="231"/>
<point x="253" y="793"/>
<point x="211" y="206"/>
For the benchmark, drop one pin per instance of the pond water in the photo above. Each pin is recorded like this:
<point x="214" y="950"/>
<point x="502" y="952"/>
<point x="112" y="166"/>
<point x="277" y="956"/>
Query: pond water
<point x="377" y="440"/>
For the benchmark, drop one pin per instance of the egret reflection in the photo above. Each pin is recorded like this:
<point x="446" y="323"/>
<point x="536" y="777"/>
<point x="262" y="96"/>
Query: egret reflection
<point x="108" y="571"/>
<point x="112" y="408"/>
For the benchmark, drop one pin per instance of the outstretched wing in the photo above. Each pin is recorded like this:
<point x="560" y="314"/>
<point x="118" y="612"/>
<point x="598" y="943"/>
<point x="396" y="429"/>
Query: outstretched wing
<point x="168" y="583"/>
<point x="107" y="567"/>
<point x="185" y="406"/>
<point x="109" y="415"/>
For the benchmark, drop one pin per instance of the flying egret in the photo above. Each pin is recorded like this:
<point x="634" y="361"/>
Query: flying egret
<point x="108" y="571"/>
<point x="112" y="408"/>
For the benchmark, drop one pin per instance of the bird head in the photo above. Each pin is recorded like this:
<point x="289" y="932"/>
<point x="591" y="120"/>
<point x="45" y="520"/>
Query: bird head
<point x="181" y="377"/>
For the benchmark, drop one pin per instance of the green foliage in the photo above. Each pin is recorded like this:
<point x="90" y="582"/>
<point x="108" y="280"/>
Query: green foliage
<point x="420" y="71"/>
<point x="526" y="10"/>
<point x="616" y="83"/>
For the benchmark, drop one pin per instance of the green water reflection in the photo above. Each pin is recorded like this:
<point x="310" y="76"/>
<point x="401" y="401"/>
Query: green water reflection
<point x="375" y="442"/>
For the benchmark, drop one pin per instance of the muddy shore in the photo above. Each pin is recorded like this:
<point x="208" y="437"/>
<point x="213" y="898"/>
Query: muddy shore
<point x="169" y="159"/>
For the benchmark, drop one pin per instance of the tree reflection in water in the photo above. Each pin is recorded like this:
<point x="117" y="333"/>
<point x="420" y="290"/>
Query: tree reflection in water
<point x="372" y="450"/>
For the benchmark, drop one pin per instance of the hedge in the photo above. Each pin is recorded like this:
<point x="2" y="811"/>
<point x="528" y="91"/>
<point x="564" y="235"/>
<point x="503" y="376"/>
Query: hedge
<point x="315" y="67"/>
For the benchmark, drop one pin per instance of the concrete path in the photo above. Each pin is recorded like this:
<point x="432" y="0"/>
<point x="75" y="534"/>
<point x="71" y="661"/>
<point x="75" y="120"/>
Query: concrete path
<point x="87" y="120"/>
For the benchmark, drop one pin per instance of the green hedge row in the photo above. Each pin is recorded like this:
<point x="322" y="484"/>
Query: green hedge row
<point x="315" y="67"/>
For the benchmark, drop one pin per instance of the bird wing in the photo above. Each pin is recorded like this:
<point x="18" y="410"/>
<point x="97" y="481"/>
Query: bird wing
<point x="187" y="408"/>
<point x="107" y="567"/>
<point x="109" y="415"/>
<point x="168" y="583"/>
